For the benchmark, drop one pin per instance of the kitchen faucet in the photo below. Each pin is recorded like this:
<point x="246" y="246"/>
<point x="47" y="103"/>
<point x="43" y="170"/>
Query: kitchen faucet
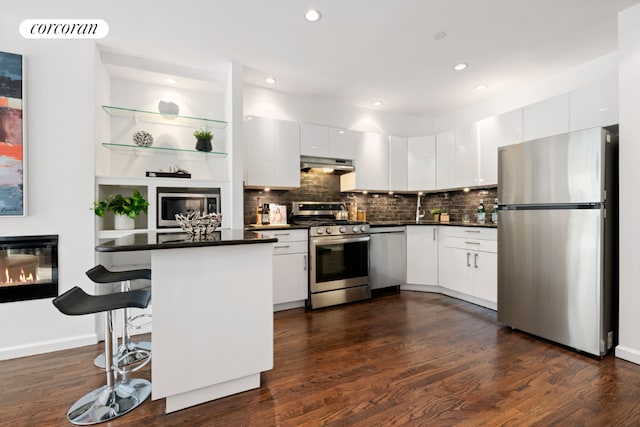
<point x="418" y="214"/>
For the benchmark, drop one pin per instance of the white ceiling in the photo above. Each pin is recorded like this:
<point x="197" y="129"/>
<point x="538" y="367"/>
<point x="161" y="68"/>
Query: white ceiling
<point x="363" y="50"/>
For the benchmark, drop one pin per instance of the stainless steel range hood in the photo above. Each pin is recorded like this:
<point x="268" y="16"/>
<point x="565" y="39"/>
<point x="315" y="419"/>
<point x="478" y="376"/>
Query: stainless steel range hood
<point x="335" y="166"/>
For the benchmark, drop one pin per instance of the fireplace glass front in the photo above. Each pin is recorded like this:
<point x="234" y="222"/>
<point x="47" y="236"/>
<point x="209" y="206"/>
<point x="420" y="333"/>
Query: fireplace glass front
<point x="28" y="267"/>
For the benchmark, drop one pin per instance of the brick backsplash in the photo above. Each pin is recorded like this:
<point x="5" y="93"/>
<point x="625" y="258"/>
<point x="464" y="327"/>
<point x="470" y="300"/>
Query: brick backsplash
<point x="317" y="187"/>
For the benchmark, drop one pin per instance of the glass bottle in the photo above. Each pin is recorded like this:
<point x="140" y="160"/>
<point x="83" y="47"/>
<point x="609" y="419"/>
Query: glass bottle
<point x="265" y="214"/>
<point x="481" y="212"/>
<point x="494" y="212"/>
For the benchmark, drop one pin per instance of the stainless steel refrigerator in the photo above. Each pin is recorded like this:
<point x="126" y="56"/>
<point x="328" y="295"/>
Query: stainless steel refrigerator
<point x="557" y="239"/>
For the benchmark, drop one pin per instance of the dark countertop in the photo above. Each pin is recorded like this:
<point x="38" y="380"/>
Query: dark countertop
<point x="277" y="227"/>
<point x="374" y="224"/>
<point x="154" y="240"/>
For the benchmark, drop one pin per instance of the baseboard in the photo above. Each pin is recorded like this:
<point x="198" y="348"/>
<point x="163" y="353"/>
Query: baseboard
<point x="421" y="288"/>
<point x="47" y="346"/>
<point x="289" y="305"/>
<point x="628" y="354"/>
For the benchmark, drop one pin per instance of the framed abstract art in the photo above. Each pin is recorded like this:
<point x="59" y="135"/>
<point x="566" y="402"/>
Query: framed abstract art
<point x="12" y="135"/>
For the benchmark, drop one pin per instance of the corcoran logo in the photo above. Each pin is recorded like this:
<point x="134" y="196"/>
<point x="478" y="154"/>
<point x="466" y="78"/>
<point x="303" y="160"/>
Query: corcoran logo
<point x="64" y="29"/>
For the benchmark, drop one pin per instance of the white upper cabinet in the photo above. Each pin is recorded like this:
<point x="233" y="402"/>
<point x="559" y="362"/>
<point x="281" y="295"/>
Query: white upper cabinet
<point x="446" y="160"/>
<point x="421" y="163"/>
<point x="397" y="163"/>
<point x="594" y="106"/>
<point x="467" y="153"/>
<point x="501" y="130"/>
<point x="325" y="141"/>
<point x="314" y="140"/>
<point x="342" y="143"/>
<point x="371" y="163"/>
<point x="272" y="153"/>
<point x="497" y="131"/>
<point x="546" y="118"/>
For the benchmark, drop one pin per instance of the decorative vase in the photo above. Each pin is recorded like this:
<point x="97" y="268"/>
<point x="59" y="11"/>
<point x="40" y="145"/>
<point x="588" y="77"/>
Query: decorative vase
<point x="143" y="138"/>
<point x="204" y="145"/>
<point x="436" y="217"/>
<point x="124" y="222"/>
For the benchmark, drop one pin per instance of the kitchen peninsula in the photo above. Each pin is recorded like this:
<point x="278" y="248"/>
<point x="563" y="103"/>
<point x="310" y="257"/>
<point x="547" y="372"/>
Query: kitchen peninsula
<point x="212" y="312"/>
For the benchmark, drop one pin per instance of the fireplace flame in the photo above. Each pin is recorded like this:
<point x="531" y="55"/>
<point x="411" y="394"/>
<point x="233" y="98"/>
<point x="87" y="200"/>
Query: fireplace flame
<point x="21" y="279"/>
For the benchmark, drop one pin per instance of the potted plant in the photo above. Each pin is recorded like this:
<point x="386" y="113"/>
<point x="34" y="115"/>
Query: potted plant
<point x="203" y="139"/>
<point x="125" y="208"/>
<point x="436" y="214"/>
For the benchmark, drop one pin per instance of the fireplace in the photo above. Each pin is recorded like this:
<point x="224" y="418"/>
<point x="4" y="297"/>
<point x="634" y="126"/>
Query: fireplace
<point x="28" y="267"/>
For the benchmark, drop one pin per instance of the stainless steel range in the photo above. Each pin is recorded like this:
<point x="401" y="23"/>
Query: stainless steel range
<point x="338" y="251"/>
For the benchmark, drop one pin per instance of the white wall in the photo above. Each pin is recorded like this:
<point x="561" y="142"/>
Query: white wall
<point x="629" y="174"/>
<point x="303" y="109"/>
<point x="59" y="181"/>
<point x="599" y="70"/>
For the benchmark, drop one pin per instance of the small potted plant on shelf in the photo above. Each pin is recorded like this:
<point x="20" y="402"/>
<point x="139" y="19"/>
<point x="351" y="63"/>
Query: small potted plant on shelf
<point x="436" y="214"/>
<point x="125" y="208"/>
<point x="203" y="139"/>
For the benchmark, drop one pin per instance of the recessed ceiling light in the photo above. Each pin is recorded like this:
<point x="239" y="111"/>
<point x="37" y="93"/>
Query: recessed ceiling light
<point x="341" y="131"/>
<point x="481" y="87"/>
<point x="270" y="80"/>
<point x="171" y="81"/>
<point x="440" y="35"/>
<point x="312" y="15"/>
<point x="602" y="109"/>
<point x="459" y="67"/>
<point x="377" y="103"/>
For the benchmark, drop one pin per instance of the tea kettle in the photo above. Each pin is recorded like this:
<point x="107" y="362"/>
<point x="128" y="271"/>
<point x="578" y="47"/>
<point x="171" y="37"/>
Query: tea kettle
<point x="341" y="214"/>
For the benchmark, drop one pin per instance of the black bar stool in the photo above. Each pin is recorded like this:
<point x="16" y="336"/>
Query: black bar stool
<point x="118" y="396"/>
<point x="129" y="352"/>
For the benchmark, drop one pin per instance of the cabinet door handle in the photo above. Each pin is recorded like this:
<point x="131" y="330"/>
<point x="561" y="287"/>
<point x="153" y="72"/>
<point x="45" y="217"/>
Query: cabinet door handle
<point x="434" y="234"/>
<point x="468" y="263"/>
<point x="280" y="234"/>
<point x="304" y="264"/>
<point x="471" y="231"/>
<point x="472" y="243"/>
<point x="281" y="247"/>
<point x="475" y="260"/>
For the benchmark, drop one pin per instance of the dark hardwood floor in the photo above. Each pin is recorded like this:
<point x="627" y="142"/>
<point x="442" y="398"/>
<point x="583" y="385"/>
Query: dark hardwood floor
<point x="407" y="358"/>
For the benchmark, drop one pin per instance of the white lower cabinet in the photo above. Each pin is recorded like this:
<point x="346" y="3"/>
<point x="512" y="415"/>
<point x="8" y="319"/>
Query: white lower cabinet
<point x="469" y="264"/>
<point x="290" y="268"/>
<point x="422" y="256"/>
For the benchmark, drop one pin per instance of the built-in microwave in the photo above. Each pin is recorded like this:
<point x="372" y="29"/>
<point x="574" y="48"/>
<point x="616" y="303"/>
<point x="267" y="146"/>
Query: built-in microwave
<point x="174" y="200"/>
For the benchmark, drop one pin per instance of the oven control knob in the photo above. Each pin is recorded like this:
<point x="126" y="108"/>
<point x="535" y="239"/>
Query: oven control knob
<point x="319" y="231"/>
<point x="363" y="228"/>
<point x="329" y="230"/>
<point x="343" y="230"/>
<point x="355" y="229"/>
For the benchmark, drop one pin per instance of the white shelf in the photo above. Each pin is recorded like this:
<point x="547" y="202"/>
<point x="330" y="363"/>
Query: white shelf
<point x="165" y="119"/>
<point x="138" y="149"/>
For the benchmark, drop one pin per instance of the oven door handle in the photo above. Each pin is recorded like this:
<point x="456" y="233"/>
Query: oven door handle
<point x="330" y="240"/>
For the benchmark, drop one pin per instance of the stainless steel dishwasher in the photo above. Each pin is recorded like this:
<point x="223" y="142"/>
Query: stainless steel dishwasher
<point x="387" y="257"/>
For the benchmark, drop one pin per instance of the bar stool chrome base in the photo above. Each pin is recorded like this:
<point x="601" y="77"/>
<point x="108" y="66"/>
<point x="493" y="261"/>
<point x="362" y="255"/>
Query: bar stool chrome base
<point x="127" y="355"/>
<point x="106" y="403"/>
